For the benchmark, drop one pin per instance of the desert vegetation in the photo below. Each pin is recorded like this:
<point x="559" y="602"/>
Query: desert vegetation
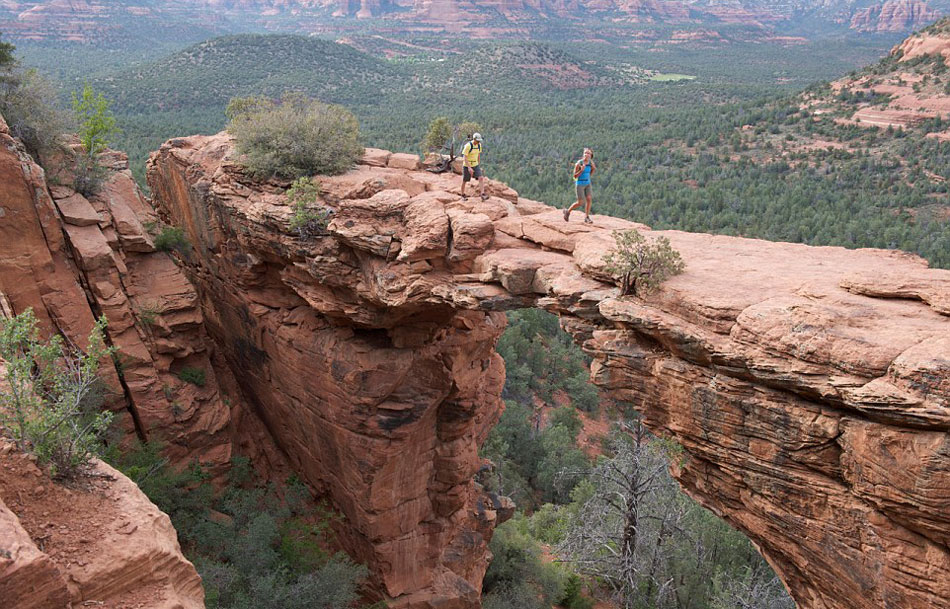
<point x="607" y="514"/>
<point x="255" y="544"/>
<point x="309" y="218"/>
<point x="29" y="105"/>
<point x="51" y="394"/>
<point x="641" y="264"/>
<point x="294" y="137"/>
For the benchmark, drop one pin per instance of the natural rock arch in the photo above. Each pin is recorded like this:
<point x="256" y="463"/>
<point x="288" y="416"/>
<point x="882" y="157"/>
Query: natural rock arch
<point x="809" y="387"/>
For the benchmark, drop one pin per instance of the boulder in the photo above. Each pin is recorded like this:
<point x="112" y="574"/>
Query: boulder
<point x="77" y="211"/>
<point x="427" y="231"/>
<point x="403" y="161"/>
<point x="375" y="157"/>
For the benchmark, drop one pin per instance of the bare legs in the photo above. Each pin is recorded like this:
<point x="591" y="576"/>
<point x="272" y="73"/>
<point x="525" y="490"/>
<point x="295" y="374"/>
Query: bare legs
<point x="481" y="184"/>
<point x="575" y="205"/>
<point x="581" y="200"/>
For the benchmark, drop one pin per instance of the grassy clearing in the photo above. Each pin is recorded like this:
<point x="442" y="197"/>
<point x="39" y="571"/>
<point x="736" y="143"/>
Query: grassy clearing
<point x="670" y="77"/>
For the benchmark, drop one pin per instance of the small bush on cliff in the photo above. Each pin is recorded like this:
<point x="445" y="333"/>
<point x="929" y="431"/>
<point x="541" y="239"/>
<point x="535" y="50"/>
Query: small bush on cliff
<point x="171" y="238"/>
<point x="51" y="398"/>
<point x="96" y="126"/>
<point x="308" y="220"/>
<point x="96" y="122"/>
<point x="195" y="376"/>
<point x="293" y="138"/>
<point x="88" y="175"/>
<point x="438" y="135"/>
<point x="641" y="265"/>
<point x="443" y="136"/>
<point x="28" y="105"/>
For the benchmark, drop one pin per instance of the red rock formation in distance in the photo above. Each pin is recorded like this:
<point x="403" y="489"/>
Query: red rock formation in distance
<point x="893" y="16"/>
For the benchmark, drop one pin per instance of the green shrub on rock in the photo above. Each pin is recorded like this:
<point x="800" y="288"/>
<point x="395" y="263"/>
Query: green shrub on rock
<point x="96" y="122"/>
<point x="171" y="238"/>
<point x="294" y="137"/>
<point x="50" y="399"/>
<point x="195" y="376"/>
<point x="641" y="265"/>
<point x="308" y="219"/>
<point x="28" y="104"/>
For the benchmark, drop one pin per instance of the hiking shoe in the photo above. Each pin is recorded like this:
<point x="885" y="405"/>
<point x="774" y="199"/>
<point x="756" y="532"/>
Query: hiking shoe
<point x="567" y="215"/>
<point x="587" y="220"/>
<point x="465" y="197"/>
<point x="484" y="197"/>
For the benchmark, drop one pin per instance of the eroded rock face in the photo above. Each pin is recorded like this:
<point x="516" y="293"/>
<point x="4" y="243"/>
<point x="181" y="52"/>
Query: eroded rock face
<point x="101" y="543"/>
<point x="893" y="16"/>
<point x="808" y="386"/>
<point x="73" y="259"/>
<point x="378" y="393"/>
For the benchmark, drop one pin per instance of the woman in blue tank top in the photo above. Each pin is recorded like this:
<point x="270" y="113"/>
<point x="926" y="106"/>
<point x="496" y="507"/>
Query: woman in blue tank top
<point x="582" y="172"/>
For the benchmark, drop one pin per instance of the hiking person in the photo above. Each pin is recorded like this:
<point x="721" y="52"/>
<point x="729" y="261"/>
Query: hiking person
<point x="583" y="169"/>
<point x="471" y="168"/>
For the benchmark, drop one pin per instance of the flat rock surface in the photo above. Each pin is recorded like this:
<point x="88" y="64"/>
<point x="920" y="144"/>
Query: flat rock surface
<point x="77" y="210"/>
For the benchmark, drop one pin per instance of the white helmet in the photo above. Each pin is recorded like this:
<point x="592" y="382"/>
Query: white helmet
<point x="477" y="136"/>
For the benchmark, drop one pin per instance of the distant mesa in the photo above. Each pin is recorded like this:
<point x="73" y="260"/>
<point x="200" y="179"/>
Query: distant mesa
<point x="97" y="20"/>
<point x="893" y="16"/>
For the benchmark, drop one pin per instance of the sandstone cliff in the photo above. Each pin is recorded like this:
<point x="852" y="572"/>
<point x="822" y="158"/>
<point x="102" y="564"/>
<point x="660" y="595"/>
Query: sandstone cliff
<point x="378" y="395"/>
<point x="932" y="41"/>
<point x="808" y="386"/>
<point x="73" y="258"/>
<point x="893" y="16"/>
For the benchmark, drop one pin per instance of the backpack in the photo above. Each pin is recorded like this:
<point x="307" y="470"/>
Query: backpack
<point x="462" y="149"/>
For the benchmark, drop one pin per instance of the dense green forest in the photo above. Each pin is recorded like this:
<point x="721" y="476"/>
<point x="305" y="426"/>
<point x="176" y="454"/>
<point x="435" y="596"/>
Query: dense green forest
<point x="671" y="154"/>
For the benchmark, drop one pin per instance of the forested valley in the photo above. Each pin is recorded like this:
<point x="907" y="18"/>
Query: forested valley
<point x="671" y="129"/>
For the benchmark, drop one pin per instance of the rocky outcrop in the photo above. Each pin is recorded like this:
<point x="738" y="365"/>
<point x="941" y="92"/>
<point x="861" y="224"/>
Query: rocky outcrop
<point x="893" y="16"/>
<point x="933" y="41"/>
<point x="378" y="394"/>
<point x="808" y="386"/>
<point x="74" y="258"/>
<point x="101" y="543"/>
<point x="362" y="9"/>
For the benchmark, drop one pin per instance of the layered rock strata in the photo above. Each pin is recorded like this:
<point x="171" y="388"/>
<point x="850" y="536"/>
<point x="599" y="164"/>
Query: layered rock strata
<point x="378" y="395"/>
<point x="73" y="258"/>
<point x="809" y="387"/>
<point x="893" y="16"/>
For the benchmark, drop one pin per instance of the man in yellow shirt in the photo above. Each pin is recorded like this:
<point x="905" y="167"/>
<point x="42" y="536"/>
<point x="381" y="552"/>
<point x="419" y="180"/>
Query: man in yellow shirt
<point x="471" y="152"/>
